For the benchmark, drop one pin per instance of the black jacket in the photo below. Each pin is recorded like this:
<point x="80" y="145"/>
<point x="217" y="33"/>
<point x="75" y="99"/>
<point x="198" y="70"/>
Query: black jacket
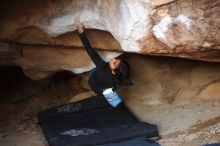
<point x="102" y="77"/>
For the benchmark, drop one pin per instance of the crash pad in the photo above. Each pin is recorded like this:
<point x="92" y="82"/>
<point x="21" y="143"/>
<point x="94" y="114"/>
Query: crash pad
<point x="92" y="121"/>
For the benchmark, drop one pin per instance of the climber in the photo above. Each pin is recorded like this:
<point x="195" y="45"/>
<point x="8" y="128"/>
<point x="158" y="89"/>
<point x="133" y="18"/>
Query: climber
<point x="106" y="76"/>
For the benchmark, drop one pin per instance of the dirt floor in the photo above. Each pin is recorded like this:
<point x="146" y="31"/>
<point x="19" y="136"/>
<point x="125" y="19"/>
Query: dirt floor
<point x="19" y="124"/>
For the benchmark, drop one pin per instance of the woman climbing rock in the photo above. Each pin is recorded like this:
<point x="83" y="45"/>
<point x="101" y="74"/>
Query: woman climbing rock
<point x="106" y="76"/>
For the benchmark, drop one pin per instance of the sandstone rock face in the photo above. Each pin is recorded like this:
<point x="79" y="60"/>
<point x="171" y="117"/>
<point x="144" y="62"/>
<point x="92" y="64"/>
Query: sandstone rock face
<point x="41" y="62"/>
<point x="182" y="28"/>
<point x="171" y="81"/>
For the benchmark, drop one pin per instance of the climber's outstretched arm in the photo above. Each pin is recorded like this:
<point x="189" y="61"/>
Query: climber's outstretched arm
<point x="97" y="60"/>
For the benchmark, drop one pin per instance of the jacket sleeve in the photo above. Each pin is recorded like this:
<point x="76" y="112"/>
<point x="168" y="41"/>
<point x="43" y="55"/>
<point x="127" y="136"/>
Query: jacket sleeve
<point x="97" y="60"/>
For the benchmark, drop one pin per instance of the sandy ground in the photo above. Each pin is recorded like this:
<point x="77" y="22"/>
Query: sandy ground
<point x="19" y="125"/>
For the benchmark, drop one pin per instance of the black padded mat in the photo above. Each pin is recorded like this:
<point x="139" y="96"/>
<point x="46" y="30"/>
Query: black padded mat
<point x="80" y="106"/>
<point x="91" y="122"/>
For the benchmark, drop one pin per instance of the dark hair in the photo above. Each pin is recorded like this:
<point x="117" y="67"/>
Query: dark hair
<point x="122" y="72"/>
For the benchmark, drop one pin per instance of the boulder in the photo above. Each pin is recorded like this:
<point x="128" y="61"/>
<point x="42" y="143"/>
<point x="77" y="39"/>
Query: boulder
<point x="183" y="28"/>
<point x="171" y="81"/>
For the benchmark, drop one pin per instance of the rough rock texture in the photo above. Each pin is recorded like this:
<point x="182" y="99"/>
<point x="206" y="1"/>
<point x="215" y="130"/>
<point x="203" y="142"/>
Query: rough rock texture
<point x="41" y="61"/>
<point x="159" y="81"/>
<point x="189" y="28"/>
<point x="181" y="28"/>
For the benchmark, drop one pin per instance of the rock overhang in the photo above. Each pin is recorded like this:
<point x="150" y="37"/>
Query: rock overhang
<point x="163" y="28"/>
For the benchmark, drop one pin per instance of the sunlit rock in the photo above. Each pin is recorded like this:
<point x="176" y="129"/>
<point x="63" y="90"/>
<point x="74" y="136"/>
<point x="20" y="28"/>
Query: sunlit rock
<point x="156" y="27"/>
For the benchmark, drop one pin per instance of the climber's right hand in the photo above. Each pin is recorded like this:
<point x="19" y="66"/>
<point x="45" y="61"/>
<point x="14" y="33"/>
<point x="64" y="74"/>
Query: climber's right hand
<point x="79" y="25"/>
